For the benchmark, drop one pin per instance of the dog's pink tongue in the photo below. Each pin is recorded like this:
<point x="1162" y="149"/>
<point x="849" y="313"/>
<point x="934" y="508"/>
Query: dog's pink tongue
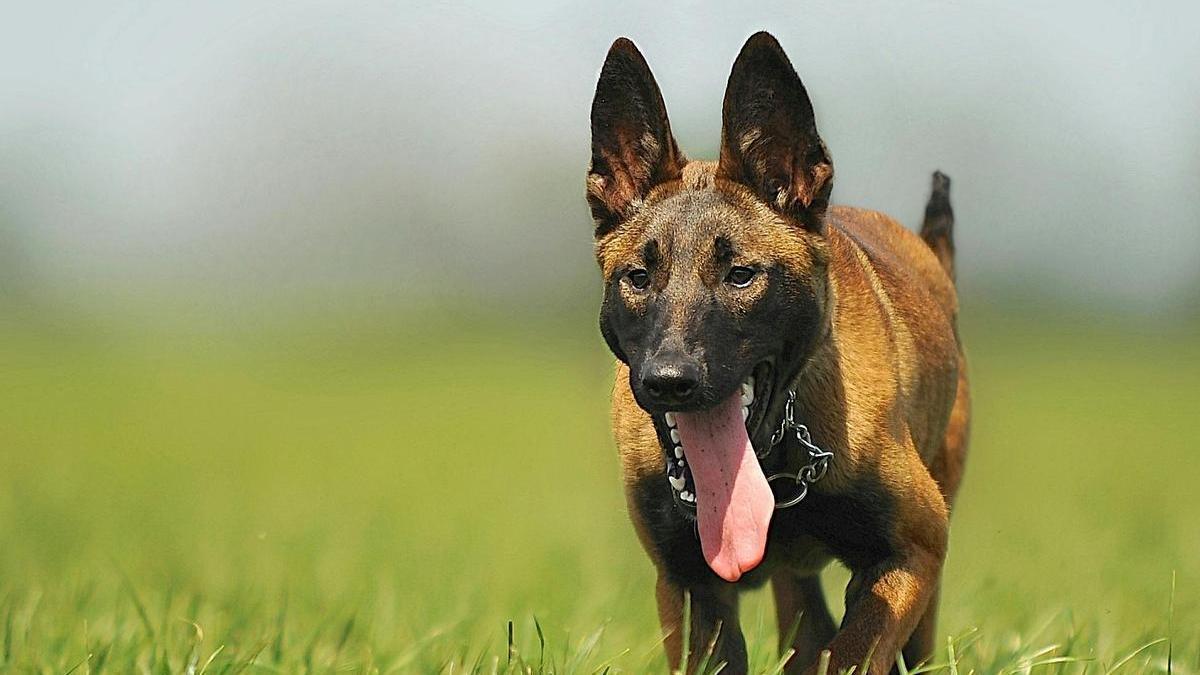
<point x="733" y="501"/>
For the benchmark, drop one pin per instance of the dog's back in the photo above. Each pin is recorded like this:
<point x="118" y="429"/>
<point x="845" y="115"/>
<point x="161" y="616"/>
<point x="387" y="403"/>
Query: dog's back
<point x="898" y="299"/>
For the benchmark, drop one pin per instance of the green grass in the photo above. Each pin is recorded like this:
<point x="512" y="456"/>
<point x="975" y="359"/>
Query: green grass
<point x="358" y="496"/>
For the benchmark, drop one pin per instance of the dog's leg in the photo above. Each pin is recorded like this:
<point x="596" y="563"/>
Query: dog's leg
<point x="803" y="613"/>
<point x="920" y="644"/>
<point x="887" y="597"/>
<point x="947" y="465"/>
<point x="947" y="469"/>
<point x="714" y="626"/>
<point x="885" y="604"/>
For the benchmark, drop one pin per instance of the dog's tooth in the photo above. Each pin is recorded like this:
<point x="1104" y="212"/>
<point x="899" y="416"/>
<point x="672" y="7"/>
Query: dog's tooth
<point x="675" y="435"/>
<point x="670" y="417"/>
<point x="677" y="483"/>
<point x="682" y="462"/>
<point x="747" y="395"/>
<point x="678" y="452"/>
<point x="745" y="413"/>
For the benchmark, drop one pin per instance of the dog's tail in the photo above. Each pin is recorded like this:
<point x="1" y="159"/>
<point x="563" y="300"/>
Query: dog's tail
<point x="938" y="228"/>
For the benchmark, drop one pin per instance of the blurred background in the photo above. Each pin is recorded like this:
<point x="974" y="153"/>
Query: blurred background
<point x="297" y="315"/>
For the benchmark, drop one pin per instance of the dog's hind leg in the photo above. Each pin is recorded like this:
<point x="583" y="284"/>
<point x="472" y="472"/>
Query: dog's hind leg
<point x="804" y="615"/>
<point x="938" y="228"/>
<point x="947" y="469"/>
<point x="920" y="645"/>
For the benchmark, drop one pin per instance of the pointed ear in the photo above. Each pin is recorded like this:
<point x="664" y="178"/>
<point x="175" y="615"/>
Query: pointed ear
<point x="632" y="146"/>
<point x="769" y="138"/>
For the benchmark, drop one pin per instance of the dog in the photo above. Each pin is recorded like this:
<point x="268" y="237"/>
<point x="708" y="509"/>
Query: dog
<point x="791" y="387"/>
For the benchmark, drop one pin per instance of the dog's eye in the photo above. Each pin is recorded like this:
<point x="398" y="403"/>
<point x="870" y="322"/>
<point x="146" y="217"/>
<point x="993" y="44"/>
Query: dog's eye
<point x="639" y="278"/>
<point x="740" y="276"/>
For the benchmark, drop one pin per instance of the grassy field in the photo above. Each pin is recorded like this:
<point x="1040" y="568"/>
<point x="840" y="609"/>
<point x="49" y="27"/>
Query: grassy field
<point x="355" y="496"/>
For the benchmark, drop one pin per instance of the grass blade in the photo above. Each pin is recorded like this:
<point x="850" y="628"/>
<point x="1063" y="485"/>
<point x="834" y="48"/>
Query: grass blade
<point x="76" y="666"/>
<point x="1129" y="657"/>
<point x="686" y="638"/>
<point x="127" y="585"/>
<point x="823" y="662"/>
<point x="541" y="644"/>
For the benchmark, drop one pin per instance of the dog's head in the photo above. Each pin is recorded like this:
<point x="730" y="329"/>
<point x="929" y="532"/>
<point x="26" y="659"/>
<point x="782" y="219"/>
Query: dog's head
<point x="715" y="276"/>
<point x="714" y="272"/>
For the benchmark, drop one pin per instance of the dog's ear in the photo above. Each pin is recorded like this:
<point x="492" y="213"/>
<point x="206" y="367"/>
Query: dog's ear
<point x="769" y="138"/>
<point x="632" y="146"/>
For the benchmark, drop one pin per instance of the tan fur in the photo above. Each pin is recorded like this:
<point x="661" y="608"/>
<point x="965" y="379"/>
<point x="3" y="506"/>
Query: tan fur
<point x="894" y="352"/>
<point x="721" y="267"/>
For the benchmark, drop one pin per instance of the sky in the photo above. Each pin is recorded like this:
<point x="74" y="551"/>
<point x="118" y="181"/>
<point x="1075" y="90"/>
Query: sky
<point x="426" y="150"/>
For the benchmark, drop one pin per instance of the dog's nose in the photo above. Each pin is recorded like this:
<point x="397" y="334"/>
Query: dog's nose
<point x="671" y="379"/>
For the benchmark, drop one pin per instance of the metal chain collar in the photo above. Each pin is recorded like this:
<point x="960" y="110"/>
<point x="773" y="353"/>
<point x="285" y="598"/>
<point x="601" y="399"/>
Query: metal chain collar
<point x="813" y="471"/>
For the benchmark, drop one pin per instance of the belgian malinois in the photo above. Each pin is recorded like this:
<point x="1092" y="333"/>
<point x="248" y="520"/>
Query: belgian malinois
<point x="791" y="387"/>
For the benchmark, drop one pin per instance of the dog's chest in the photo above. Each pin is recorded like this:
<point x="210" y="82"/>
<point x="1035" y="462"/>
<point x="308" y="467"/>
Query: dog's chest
<point x="850" y="526"/>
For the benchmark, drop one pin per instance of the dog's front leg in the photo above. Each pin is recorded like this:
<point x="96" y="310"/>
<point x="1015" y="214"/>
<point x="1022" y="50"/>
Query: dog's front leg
<point x="714" y="625"/>
<point x="888" y="596"/>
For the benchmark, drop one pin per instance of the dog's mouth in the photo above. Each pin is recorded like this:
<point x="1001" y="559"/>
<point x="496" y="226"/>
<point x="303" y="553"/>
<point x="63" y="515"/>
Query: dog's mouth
<point x="715" y="475"/>
<point x="755" y="398"/>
